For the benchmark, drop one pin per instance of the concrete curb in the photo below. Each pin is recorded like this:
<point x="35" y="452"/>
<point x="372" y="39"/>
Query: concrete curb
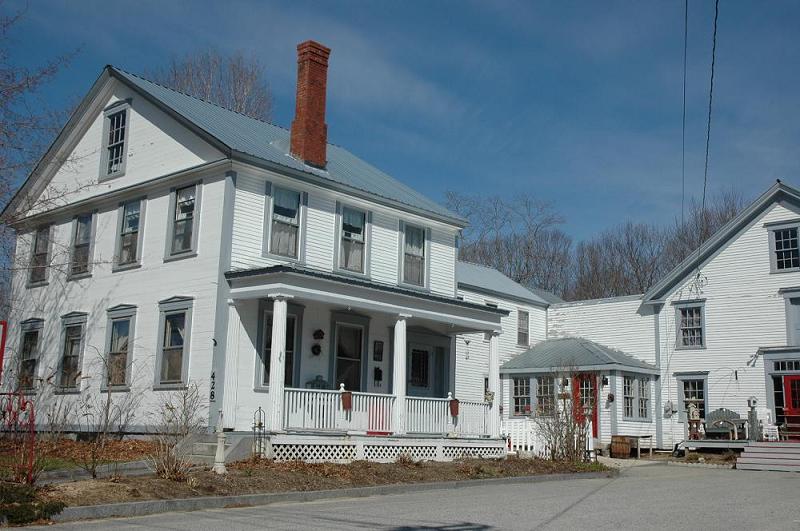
<point x="701" y="465"/>
<point x="130" y="468"/>
<point x="143" y="508"/>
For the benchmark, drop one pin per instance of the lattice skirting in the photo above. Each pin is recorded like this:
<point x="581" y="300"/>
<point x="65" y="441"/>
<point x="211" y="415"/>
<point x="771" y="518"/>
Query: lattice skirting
<point x="346" y="449"/>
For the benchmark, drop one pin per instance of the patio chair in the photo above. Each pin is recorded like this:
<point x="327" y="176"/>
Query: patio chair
<point x="724" y="424"/>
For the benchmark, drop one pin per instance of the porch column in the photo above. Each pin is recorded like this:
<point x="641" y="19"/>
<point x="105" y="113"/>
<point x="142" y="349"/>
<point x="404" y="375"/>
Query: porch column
<point x="399" y="375"/>
<point x="277" y="362"/>
<point x="231" y="383"/>
<point x="494" y="382"/>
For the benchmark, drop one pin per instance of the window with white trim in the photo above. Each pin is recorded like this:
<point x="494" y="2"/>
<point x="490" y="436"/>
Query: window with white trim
<point x="545" y="395"/>
<point x="352" y="249"/>
<point x="636" y="397"/>
<point x="183" y="220"/>
<point x="40" y="251"/>
<point x="523" y="328"/>
<point x="691" y="333"/>
<point x="522" y="396"/>
<point x="129" y="233"/>
<point x="414" y="255"/>
<point x="81" y="245"/>
<point x="115" y="142"/>
<point x="785" y="248"/>
<point x="285" y="229"/>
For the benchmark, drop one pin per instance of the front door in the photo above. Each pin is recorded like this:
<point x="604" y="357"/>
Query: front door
<point x="584" y="398"/>
<point x="424" y="370"/>
<point x="791" y="393"/>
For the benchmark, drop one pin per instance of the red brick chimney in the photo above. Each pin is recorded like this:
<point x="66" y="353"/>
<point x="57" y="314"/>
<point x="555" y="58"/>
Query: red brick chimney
<point x="309" y="138"/>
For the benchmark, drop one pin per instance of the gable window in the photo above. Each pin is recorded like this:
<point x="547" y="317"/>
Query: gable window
<point x="420" y="362"/>
<point x="115" y="141"/>
<point x="523" y="327"/>
<point x="785" y="249"/>
<point x="285" y="229"/>
<point x="81" y="246"/>
<point x="70" y="366"/>
<point x="352" y="251"/>
<point x="39" y="255"/>
<point x="183" y="221"/>
<point x="522" y="396"/>
<point x="414" y="255"/>
<point x="29" y="358"/>
<point x="129" y="234"/>
<point x="636" y="397"/>
<point x="691" y="333"/>
<point x="175" y="328"/>
<point x="291" y="335"/>
<point x="545" y="395"/>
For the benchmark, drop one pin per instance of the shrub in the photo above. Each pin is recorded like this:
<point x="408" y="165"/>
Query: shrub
<point x="19" y="505"/>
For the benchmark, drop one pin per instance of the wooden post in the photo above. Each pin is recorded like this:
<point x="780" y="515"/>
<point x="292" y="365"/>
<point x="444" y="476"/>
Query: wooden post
<point x="399" y="375"/>
<point x="494" y="383"/>
<point x="277" y="362"/>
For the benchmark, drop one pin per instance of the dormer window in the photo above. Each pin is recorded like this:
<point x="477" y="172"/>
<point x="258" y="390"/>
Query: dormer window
<point x="413" y="255"/>
<point x="352" y="250"/>
<point x="285" y="230"/>
<point x="115" y="141"/>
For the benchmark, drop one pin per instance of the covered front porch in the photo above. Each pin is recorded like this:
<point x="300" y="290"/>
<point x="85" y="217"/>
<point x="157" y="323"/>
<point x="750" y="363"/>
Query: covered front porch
<point x="332" y="360"/>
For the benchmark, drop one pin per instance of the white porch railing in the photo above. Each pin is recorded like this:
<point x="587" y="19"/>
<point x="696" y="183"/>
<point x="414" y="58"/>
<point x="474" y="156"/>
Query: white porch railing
<point x="432" y="416"/>
<point x="524" y="436"/>
<point x="320" y="410"/>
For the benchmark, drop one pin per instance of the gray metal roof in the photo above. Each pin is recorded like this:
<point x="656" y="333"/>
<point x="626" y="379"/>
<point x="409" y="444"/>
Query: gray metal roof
<point x="572" y="353"/>
<point x="268" y="142"/>
<point x="475" y="277"/>
<point x="550" y="297"/>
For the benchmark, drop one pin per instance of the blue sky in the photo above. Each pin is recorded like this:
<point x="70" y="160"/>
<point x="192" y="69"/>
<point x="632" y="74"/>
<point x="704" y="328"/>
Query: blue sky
<point x="577" y="103"/>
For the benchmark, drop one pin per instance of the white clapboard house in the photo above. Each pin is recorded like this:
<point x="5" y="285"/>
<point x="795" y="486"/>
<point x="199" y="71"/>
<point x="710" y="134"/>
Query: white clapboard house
<point x="722" y="327"/>
<point x="168" y="242"/>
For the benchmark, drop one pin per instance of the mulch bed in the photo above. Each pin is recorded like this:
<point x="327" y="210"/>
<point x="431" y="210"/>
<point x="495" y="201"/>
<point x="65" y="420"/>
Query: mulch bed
<point x="265" y="476"/>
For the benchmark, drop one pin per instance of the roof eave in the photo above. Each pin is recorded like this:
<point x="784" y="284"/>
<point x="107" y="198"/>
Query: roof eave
<point x="478" y="289"/>
<point x="582" y="368"/>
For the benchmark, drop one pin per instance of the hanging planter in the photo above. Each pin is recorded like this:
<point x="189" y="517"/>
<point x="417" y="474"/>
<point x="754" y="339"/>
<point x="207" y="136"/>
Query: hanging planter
<point x="454" y="407"/>
<point x="347" y="400"/>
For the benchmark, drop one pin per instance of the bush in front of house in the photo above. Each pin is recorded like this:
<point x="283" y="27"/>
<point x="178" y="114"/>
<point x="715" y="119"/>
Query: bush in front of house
<point x="19" y="504"/>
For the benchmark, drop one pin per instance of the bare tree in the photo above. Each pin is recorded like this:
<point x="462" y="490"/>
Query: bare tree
<point x="519" y="237"/>
<point x="233" y="81"/>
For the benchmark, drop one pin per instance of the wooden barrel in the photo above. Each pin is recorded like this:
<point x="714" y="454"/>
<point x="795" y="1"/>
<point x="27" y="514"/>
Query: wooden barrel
<point x="620" y="446"/>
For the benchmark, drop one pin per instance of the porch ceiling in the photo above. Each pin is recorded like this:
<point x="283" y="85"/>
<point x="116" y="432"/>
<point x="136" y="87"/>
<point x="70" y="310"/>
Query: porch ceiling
<point x="361" y="294"/>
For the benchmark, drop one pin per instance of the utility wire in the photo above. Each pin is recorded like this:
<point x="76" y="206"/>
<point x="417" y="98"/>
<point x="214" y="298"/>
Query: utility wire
<point x="710" y="101"/>
<point x="683" y="133"/>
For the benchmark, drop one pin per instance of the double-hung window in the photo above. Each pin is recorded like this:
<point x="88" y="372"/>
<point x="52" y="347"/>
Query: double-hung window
<point x="523" y="327"/>
<point x="522" y="396"/>
<point x="786" y="252"/>
<point x="129" y="236"/>
<point x="29" y="354"/>
<point x="175" y="329"/>
<point x="414" y="255"/>
<point x="691" y="328"/>
<point x="352" y="250"/>
<point x="74" y="325"/>
<point x="115" y="141"/>
<point x="285" y="227"/>
<point x="119" y="347"/>
<point x="40" y="255"/>
<point x="183" y="220"/>
<point x="81" y="246"/>
<point x="636" y="397"/>
<point x="694" y="392"/>
<point x="545" y="395"/>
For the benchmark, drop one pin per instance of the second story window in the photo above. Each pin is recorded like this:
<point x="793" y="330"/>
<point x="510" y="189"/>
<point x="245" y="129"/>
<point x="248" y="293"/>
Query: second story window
<point x="183" y="236"/>
<point x="39" y="255"/>
<point x="523" y="325"/>
<point x="115" y="141"/>
<point x="81" y="246"/>
<point x="690" y="326"/>
<point x="129" y="233"/>
<point x="414" y="255"/>
<point x="352" y="251"/>
<point x="786" y="252"/>
<point x="285" y="228"/>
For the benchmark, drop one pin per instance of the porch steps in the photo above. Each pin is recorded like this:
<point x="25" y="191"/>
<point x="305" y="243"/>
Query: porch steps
<point x="201" y="449"/>
<point x="776" y="456"/>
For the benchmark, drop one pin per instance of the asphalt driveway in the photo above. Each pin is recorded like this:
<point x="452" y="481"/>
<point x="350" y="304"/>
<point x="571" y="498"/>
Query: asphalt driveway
<point x="645" y="497"/>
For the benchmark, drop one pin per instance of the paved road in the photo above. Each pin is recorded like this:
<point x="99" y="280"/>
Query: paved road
<point x="647" y="497"/>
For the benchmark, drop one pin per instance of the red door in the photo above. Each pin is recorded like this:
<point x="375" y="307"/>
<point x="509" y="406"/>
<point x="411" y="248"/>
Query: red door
<point x="584" y="398"/>
<point x="791" y="396"/>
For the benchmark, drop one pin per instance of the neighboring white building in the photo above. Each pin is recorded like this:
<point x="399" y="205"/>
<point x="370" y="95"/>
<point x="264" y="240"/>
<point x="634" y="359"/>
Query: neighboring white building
<point x="722" y="327"/>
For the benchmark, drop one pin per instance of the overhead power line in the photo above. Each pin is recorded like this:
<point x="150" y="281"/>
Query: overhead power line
<point x="710" y="101"/>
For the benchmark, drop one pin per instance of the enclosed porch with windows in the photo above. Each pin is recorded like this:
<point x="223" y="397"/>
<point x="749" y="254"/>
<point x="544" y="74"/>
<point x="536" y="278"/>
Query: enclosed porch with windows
<point x="610" y="391"/>
<point x="324" y="359"/>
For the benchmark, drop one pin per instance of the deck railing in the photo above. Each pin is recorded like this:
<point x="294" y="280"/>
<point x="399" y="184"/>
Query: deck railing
<point x="321" y="410"/>
<point x="432" y="416"/>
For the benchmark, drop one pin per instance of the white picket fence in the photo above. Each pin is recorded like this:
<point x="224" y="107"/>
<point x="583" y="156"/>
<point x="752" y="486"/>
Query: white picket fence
<point x="524" y="437"/>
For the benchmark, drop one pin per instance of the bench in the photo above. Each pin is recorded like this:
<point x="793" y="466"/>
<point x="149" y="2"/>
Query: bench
<point x="724" y="424"/>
